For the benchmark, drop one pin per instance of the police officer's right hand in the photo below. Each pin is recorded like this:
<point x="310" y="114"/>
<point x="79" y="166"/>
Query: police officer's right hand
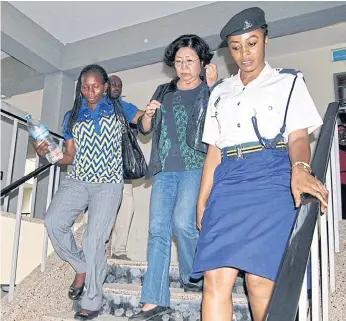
<point x="41" y="147"/>
<point x="303" y="182"/>
<point x="150" y="110"/>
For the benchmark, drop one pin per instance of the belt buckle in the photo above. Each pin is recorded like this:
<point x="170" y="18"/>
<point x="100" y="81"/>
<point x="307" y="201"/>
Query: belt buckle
<point x="240" y="154"/>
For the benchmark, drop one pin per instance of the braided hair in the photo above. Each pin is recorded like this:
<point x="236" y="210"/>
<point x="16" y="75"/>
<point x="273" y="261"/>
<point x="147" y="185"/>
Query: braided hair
<point x="78" y="99"/>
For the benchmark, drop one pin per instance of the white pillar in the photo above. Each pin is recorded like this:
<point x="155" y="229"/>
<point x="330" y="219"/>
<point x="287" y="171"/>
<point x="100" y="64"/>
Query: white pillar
<point x="58" y="96"/>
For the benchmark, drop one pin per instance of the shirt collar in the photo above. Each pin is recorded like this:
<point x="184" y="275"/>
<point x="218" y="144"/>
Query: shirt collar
<point x="104" y="101"/>
<point x="267" y="71"/>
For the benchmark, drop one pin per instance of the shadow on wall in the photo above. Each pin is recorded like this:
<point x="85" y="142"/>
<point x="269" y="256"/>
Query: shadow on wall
<point x="168" y="71"/>
<point x="224" y="55"/>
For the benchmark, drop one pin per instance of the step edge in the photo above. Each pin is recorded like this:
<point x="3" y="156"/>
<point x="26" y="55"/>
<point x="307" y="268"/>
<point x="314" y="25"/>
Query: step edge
<point x="114" y="288"/>
<point x="134" y="263"/>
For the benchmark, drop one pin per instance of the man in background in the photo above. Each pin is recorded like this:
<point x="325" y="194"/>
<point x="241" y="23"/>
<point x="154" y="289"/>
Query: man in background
<point x="122" y="225"/>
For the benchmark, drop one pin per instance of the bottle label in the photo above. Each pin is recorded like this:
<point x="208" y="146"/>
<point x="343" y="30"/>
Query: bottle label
<point x="55" y="155"/>
<point x="40" y="133"/>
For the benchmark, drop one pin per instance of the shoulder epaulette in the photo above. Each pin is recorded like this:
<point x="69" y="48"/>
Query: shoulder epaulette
<point x="294" y="72"/>
<point x="220" y="81"/>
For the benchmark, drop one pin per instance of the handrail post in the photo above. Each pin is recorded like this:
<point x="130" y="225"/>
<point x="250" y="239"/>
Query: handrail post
<point x="335" y="191"/>
<point x="57" y="171"/>
<point x="303" y="301"/>
<point x="330" y="218"/>
<point x="337" y="170"/>
<point x="16" y="243"/>
<point x="34" y="189"/>
<point x="11" y="160"/>
<point x="315" y="287"/>
<point x="324" y="267"/>
<point x="45" y="234"/>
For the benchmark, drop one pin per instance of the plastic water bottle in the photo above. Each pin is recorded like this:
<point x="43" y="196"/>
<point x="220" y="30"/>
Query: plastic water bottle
<point x="40" y="133"/>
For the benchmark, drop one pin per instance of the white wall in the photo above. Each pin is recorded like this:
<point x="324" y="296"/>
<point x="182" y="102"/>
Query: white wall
<point x="30" y="246"/>
<point x="26" y="206"/>
<point x="30" y="102"/>
<point x="318" y="70"/>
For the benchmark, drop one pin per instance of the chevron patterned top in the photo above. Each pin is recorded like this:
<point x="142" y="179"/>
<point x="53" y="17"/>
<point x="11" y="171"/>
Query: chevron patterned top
<point x="97" y="138"/>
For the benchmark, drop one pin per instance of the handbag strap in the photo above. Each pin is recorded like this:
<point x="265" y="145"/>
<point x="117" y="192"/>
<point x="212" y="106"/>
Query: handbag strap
<point x="119" y="112"/>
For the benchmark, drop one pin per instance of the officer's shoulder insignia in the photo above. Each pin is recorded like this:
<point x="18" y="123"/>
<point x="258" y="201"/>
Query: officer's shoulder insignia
<point x="219" y="82"/>
<point x="217" y="101"/>
<point x="294" y="72"/>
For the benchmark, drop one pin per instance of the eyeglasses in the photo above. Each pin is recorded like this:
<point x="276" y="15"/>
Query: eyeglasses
<point x="187" y="62"/>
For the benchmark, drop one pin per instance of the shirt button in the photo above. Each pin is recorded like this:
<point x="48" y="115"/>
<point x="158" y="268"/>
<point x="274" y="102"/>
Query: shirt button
<point x="238" y="103"/>
<point x="238" y="125"/>
<point x="270" y="108"/>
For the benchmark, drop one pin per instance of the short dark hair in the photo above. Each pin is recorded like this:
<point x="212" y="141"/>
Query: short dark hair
<point x="192" y="41"/>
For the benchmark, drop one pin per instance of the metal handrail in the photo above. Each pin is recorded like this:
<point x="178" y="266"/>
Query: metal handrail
<point x="24" y="121"/>
<point x="284" y="302"/>
<point x="53" y="183"/>
<point x="6" y="190"/>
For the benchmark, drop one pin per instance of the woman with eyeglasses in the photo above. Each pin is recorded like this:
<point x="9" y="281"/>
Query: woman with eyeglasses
<point x="257" y="127"/>
<point x="178" y="110"/>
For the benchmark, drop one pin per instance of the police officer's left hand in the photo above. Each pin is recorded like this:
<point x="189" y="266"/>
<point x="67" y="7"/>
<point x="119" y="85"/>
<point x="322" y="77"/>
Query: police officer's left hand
<point x="212" y="74"/>
<point x="303" y="182"/>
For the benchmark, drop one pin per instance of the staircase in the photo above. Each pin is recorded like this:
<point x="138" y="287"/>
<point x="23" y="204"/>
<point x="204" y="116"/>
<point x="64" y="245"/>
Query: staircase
<point x="42" y="295"/>
<point x="123" y="289"/>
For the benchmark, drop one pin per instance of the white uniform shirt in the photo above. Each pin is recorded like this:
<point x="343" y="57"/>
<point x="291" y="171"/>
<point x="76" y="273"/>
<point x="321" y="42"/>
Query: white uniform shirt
<point x="232" y="105"/>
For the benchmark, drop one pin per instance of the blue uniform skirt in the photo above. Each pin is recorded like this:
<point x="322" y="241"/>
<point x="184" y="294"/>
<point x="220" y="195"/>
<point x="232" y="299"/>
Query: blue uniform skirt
<point x="249" y="215"/>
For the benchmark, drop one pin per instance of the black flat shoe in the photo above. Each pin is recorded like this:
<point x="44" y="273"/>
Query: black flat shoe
<point x="75" y="293"/>
<point x="151" y="314"/>
<point x="191" y="287"/>
<point x="87" y="315"/>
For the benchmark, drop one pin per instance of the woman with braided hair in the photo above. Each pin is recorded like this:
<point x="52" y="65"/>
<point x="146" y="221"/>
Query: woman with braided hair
<point x="93" y="147"/>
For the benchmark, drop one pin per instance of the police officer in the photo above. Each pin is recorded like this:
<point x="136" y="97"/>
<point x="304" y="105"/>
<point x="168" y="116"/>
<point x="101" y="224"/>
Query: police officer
<point x="257" y="128"/>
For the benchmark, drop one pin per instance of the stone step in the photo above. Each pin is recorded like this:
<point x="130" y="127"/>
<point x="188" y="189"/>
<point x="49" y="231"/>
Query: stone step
<point x="123" y="300"/>
<point x="69" y="316"/>
<point x="132" y="272"/>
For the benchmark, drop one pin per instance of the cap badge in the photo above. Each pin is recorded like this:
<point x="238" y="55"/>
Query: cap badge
<point x="247" y="24"/>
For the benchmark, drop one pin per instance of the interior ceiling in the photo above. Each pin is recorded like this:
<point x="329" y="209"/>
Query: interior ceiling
<point x="305" y="41"/>
<point x="85" y="19"/>
<point x="44" y="37"/>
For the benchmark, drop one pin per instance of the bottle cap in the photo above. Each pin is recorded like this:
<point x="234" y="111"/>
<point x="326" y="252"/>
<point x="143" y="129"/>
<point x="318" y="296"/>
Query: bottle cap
<point x="27" y="116"/>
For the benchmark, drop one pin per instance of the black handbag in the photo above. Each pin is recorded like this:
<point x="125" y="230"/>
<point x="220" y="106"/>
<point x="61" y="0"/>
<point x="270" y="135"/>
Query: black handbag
<point x="134" y="164"/>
